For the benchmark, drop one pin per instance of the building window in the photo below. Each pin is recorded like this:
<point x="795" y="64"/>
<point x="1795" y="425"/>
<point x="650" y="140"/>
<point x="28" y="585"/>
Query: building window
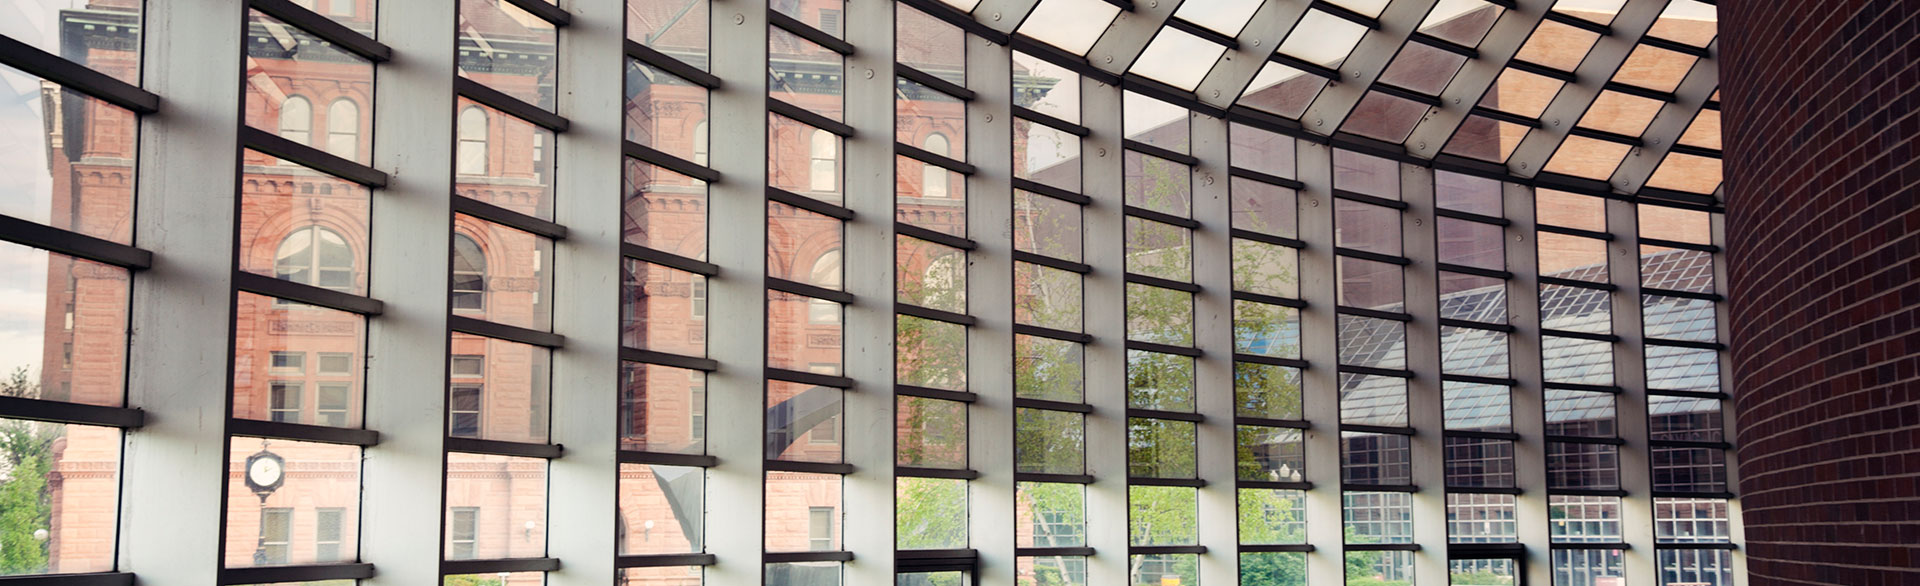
<point x="469" y="275"/>
<point x="285" y="403"/>
<point x="343" y="123"/>
<point x="824" y="174"/>
<point x="933" y="180"/>
<point x="276" y="529"/>
<point x="463" y="410"/>
<point x="326" y="534"/>
<point x="296" y="120"/>
<point x="826" y="273"/>
<point x="341" y="7"/>
<point x="332" y="404"/>
<point x="830" y="21"/>
<point x="286" y="363"/>
<point x="820" y="528"/>
<point x="463" y="532"/>
<point x="700" y="143"/>
<point x="699" y="304"/>
<point x="697" y="405"/>
<point x="315" y="256"/>
<point x="470" y="156"/>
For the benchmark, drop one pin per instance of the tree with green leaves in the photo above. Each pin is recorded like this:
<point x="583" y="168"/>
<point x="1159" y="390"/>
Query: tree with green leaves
<point x="26" y="506"/>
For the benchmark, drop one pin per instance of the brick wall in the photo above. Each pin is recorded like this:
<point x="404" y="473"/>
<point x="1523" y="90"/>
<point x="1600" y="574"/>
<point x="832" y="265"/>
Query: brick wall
<point x="1824" y="248"/>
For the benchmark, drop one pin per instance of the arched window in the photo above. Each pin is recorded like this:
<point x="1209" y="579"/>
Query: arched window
<point x="315" y="256"/>
<point x="471" y="154"/>
<point x="469" y="275"/>
<point x="825" y="273"/>
<point x="933" y="180"/>
<point x="296" y="120"/>
<point x="825" y="172"/>
<point x="700" y="142"/>
<point x="343" y="129"/>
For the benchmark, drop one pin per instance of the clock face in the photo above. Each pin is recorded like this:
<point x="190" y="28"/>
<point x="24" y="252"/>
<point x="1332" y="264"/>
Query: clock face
<point x="264" y="472"/>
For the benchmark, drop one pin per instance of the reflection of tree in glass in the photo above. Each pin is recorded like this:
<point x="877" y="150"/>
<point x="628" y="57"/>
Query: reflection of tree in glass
<point x="930" y="513"/>
<point x="26" y="452"/>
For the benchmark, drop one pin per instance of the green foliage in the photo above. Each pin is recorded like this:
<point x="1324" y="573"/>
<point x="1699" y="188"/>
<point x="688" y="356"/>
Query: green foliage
<point x="26" y="457"/>
<point x="1162" y="515"/>
<point x="470" y="580"/>
<point x="1273" y="569"/>
<point x="1480" y="578"/>
<point x="930" y="513"/>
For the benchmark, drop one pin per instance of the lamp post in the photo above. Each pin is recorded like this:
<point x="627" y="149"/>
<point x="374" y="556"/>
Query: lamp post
<point x="265" y="472"/>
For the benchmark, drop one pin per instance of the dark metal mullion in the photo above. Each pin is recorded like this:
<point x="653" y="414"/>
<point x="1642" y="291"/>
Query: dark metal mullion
<point x="672" y="163"/>
<point x="1480" y="380"/>
<point x="509" y="218"/>
<point x="1189" y="417"/>
<point x="1275" y="180"/>
<point x="790" y="557"/>
<point x="1032" y="186"/>
<point x="1026" y="552"/>
<point x="1608" y="389"/>
<point x="1347" y="14"/>
<point x="808" y="32"/>
<point x="1274" y="485"/>
<point x="956" y="18"/>
<point x="1052" y="334"/>
<point x="1378" y="429"/>
<point x="1356" y="196"/>
<point x="325" y="28"/>
<point x="1444" y="45"/>
<point x="1686" y="344"/>
<point x="1698" y="151"/>
<point x="73" y="244"/>
<point x="664" y="561"/>
<point x="303" y="432"/>
<point x="89" y="579"/>
<point x="1691" y="444"/>
<point x="813" y="291"/>
<point x="1071" y="62"/>
<point x="1363" y="487"/>
<point x="629" y="354"/>
<point x="1315" y="69"/>
<point x="1691" y="394"/>
<point x="1160" y="152"/>
<point x="1610" y="338"/>
<point x="1472" y="217"/>
<point x="929" y="313"/>
<point x="1051" y="405"/>
<point x="1164" y="349"/>
<point x="661" y="459"/>
<point x="932" y="393"/>
<point x="1277" y="548"/>
<point x="1676" y="46"/>
<point x="1150" y="481"/>
<point x="1405" y="94"/>
<point x="1271" y="360"/>
<point x="1644" y="241"/>
<point x="1166" y="549"/>
<point x="1486" y="435"/>
<point x="1054" y="478"/>
<point x="1375" y="371"/>
<point x="672" y="65"/>
<point x="1161" y="217"/>
<point x="1606" y="136"/>
<point x="668" y="259"/>
<point x="459" y="567"/>
<point x="808" y="378"/>
<point x="1216" y="37"/>
<point x="1541" y="70"/>
<point x="1475" y="271"/>
<point x="312" y="158"/>
<point x="1151" y="281"/>
<point x="100" y="86"/>
<point x="1505" y="116"/>
<point x="1579" y="23"/>
<point x="1637" y="91"/>
<point x="1374" y="313"/>
<point x="307" y="294"/>
<point x="923" y="472"/>
<point x="71" y="413"/>
<point x="500" y="331"/>
<point x="467" y="445"/>
<point x="290" y="574"/>
<point x="1051" y="262"/>
<point x="934" y="82"/>
<point x="1269" y="299"/>
<point x="931" y="158"/>
<point x="1596" y="441"/>
<point x="1164" y="92"/>
<point x="809" y="117"/>
<point x="933" y="236"/>
<point x="512" y="106"/>
<point x="1245" y="234"/>
<point x="838" y="468"/>
<point x="1578" y="284"/>
<point x="782" y="196"/>
<point x="1050" y="121"/>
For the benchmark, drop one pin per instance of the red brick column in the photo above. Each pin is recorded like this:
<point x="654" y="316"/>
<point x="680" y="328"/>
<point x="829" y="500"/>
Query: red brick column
<point x="1824" y="249"/>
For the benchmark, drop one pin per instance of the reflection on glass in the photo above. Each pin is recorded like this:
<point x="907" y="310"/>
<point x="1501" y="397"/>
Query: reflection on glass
<point x="1584" y="519"/>
<point x="930" y="353"/>
<point x="1472" y="244"/>
<point x="1162" y="515"/>
<point x="662" y="409"/>
<point x="1158" y="184"/>
<point x="1583" y="466"/>
<point x="1373" y="400"/>
<point x="503" y="160"/>
<point x="1322" y="39"/>
<point x="307" y="90"/>
<point x="1273" y="568"/>
<point x="1070" y="25"/>
<point x="94" y="195"/>
<point x="1047" y="88"/>
<point x="1269" y="330"/>
<point x="1577" y="361"/>
<point x="930" y="275"/>
<point x="1371" y="342"/>
<point x="509" y="49"/>
<point x="930" y="120"/>
<point x="1580" y="413"/>
<point x="1177" y="58"/>
<point x="496" y="507"/>
<point x="804" y="74"/>
<point x="1159" y="381"/>
<point x="1264" y="208"/>
<point x="497" y="390"/>
<point x="1282" y="90"/>
<point x="1266" y="391"/>
<point x="1046" y="226"/>
<point x="665" y="112"/>
<point x="826" y="15"/>
<point x="1477" y="407"/>
<point x="1479" y="463"/>
<point x="803" y="159"/>
<point x="1057" y="512"/>
<point x="1159" y="250"/>
<point x="1366" y="227"/>
<point x="80" y="537"/>
<point x="678" y="28"/>
<point x="1473" y="298"/>
<point x="930" y="433"/>
<point x="295" y="363"/>
<point x="1046" y="155"/>
<point x="930" y="45"/>
<point x="803" y="246"/>
<point x="1049" y="369"/>
<point x="65" y="327"/>
<point x="1269" y="454"/>
<point x="1369" y="284"/>
<point x="930" y="513"/>
<point x="803" y="333"/>
<point x="103" y="36"/>
<point x="662" y="309"/>
<point x="1161" y="316"/>
<point x="803" y="514"/>
<point x="1272" y="517"/>
<point x="664" y="210"/>
<point x="278" y="486"/>
<point x="1049" y="442"/>
<point x="803" y="423"/>
<point x="804" y="574"/>
<point x="1161" y="448"/>
<point x="1163" y="568"/>
<point x="1378" y="517"/>
<point x="1375" y="458"/>
<point x="1047" y="297"/>
<point x="1267" y="269"/>
<point x="1473" y="352"/>
<point x="501" y="274"/>
<point x="930" y="196"/>
<point x="1565" y="256"/>
<point x="1385" y="117"/>
<point x="300" y="225"/>
<point x="661" y="509"/>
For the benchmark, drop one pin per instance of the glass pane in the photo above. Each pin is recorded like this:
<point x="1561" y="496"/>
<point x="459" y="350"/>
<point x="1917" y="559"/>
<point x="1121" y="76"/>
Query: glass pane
<point x="803" y="424"/>
<point x="661" y="509"/>
<point x="930" y="513"/>
<point x="308" y="90"/>
<point x="1046" y="226"/>
<point x="1162" y="515"/>
<point x="81" y="182"/>
<point x="1691" y="520"/>
<point x="1161" y="448"/>
<point x="1687" y="419"/>
<point x="803" y="159"/>
<point x="955" y="578"/>
<point x="803" y="513"/>
<point x="1377" y="517"/>
<point x="1461" y="21"/>
<point x="1177" y="58"/>
<point x="1467" y="193"/>
<point x="1046" y="297"/>
<point x="1273" y="568"/>
<point x="1046" y="155"/>
<point x="1588" y="567"/>
<point x="1377" y="343"/>
<point x="676" y="27"/>
<point x="1695" y="470"/>
<point x="1057" y="514"/>
<point x="1580" y="413"/>
<point x="1223" y="16"/>
<point x="511" y="270"/>
<point x="300" y="225"/>
<point x="1370" y="285"/>
<point x="1620" y="113"/>
<point x="1322" y="39"/>
<point x="1266" y="391"/>
<point x="1576" y="309"/>
<point x="1572" y="257"/>
<point x="1499" y="572"/>
<point x="1159" y="381"/>
<point x="503" y="160"/>
<point x="1045" y="368"/>
<point x="930" y="196"/>
<point x="1269" y="330"/>
<point x="497" y="390"/>
<point x="1472" y="244"/>
<point x="930" y="353"/>
<point x="663" y="575"/>
<point x="1584" y="519"/>
<point x="1267" y="269"/>
<point x="1264" y="208"/>
<point x="1071" y="25"/>
<point x="803" y="333"/>
<point x="1282" y="91"/>
<point x="666" y="112"/>
<point x="1158" y="184"/>
<point x="1681" y="567"/>
<point x="1385" y="117"/>
<point x="1366" y="227"/>
<point x="930" y="45"/>
<point x="1045" y="87"/>
<point x="1377" y="459"/>
<point x="1159" y="250"/>
<point x="510" y="50"/>
<point x="1269" y="517"/>
<point x="1156" y="123"/>
<point x="1587" y="158"/>
<point x="1373" y="400"/>
<point x="826" y="15"/>
<point x="663" y="309"/>
<point x="1049" y="442"/>
<point x="930" y="433"/>
<point x="1479" y="463"/>
<point x="1473" y="298"/>
<point x="1556" y="45"/>
<point x="291" y="503"/>
<point x="1161" y="316"/>
<point x="1473" y="352"/>
<point x="1366" y="175"/>
<point x="1268" y="454"/>
<point x="1522" y="92"/>
<point x="1481" y="518"/>
<point x="1478" y="407"/>
<point x="805" y="74"/>
<point x="930" y="275"/>
<point x="1583" y="466"/>
<point x="64" y="522"/>
<point x="803" y="246"/>
<point x="1161" y="569"/>
<point x="496" y="507"/>
<point x="1689" y="173"/>
<point x="295" y="363"/>
<point x="931" y="120"/>
<point x="804" y="574"/>
<point x="662" y="409"/>
<point x="1577" y="361"/>
<point x="1053" y="570"/>
<point x="104" y="36"/>
<point x="664" y="210"/>
<point x="65" y="327"/>
<point x="1676" y="269"/>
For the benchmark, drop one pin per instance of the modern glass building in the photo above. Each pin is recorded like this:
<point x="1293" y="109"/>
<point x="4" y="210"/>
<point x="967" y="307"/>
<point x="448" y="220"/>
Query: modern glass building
<point x="866" y="292"/>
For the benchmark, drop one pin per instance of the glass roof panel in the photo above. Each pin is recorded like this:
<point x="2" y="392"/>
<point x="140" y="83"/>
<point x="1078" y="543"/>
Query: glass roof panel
<point x="1367" y="7"/>
<point x="1461" y="21"/>
<point x="1154" y="122"/>
<point x="1050" y="89"/>
<point x="1600" y="11"/>
<point x="1384" y="117"/>
<point x="1557" y="45"/>
<point x="1178" y="58"/>
<point x="1682" y="172"/>
<point x="1223" y="16"/>
<point x="1282" y="90"/>
<point x="1071" y="25"/>
<point x="1687" y="21"/>
<point x="1423" y="69"/>
<point x="1322" y="39"/>
<point x="1521" y="92"/>
<point x="1589" y="158"/>
<point x="1620" y="113"/>
<point x="1704" y="132"/>
<point x="1485" y="139"/>
<point x="1654" y="68"/>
